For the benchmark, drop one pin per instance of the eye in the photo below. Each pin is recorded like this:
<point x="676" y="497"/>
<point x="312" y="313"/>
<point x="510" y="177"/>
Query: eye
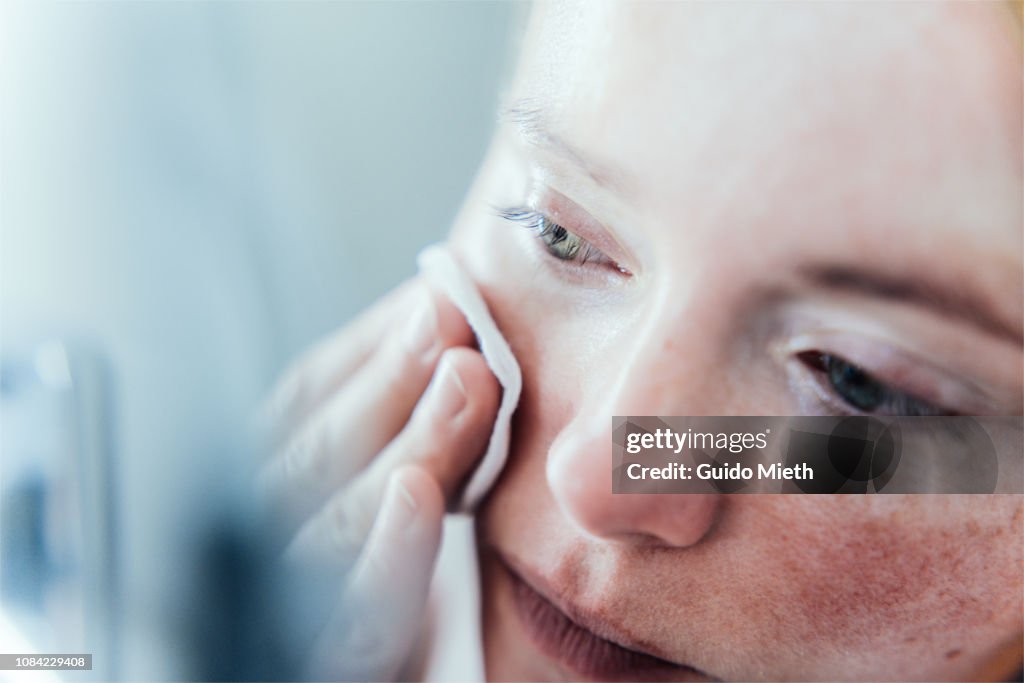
<point x="861" y="391"/>
<point x="560" y="242"/>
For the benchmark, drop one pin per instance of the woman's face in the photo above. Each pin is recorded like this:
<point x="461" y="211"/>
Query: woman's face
<point x="700" y="200"/>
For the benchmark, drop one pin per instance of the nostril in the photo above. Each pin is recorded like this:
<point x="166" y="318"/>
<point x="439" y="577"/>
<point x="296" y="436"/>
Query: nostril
<point x="638" y="539"/>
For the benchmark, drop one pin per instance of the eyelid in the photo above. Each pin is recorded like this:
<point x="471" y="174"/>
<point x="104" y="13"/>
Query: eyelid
<point x="899" y="370"/>
<point x="563" y="211"/>
<point x="893" y="400"/>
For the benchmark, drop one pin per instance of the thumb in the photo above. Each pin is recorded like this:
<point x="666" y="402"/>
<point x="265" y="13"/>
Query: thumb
<point x="386" y="593"/>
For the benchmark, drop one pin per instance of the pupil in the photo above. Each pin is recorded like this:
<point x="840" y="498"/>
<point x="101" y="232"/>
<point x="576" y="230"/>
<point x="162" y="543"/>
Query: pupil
<point x="559" y="242"/>
<point x="854" y="385"/>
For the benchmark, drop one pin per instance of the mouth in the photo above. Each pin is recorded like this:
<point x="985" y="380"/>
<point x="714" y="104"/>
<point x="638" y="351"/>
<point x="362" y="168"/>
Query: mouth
<point x="571" y="638"/>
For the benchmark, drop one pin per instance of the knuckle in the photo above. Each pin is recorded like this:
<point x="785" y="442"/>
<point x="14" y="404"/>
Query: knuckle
<point x="292" y="459"/>
<point x="299" y="457"/>
<point x="345" y="527"/>
<point x="286" y="398"/>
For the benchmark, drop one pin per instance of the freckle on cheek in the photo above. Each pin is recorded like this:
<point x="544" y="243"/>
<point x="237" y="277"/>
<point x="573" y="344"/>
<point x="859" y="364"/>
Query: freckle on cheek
<point x="878" y="580"/>
<point x="859" y="577"/>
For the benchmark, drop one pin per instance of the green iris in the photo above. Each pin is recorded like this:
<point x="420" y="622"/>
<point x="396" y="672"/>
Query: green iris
<point x="559" y="241"/>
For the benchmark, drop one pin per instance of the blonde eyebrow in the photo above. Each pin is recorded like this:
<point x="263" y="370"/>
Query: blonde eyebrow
<point x="964" y="304"/>
<point x="532" y="122"/>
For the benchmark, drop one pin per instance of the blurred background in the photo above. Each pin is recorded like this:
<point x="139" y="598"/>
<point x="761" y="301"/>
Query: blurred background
<point x="190" y="194"/>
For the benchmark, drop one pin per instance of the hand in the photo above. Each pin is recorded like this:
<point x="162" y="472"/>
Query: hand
<point x="370" y="457"/>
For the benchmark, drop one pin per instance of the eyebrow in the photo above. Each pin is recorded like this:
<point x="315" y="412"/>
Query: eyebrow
<point x="963" y="304"/>
<point x="532" y="122"/>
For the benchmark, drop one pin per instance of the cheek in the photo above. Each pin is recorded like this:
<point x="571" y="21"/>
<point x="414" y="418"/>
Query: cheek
<point x="925" y="576"/>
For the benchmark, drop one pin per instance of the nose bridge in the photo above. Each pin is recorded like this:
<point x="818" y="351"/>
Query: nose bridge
<point x="668" y="365"/>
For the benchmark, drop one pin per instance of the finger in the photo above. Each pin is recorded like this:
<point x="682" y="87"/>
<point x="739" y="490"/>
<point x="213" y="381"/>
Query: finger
<point x="366" y="414"/>
<point x="384" y="599"/>
<point x="446" y="436"/>
<point x="319" y="372"/>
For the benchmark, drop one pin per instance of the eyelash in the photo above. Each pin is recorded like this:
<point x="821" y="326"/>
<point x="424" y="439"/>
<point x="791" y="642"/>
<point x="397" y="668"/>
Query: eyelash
<point x="883" y="399"/>
<point x="552" y="235"/>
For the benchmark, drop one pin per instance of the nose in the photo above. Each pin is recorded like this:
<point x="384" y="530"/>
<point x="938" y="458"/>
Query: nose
<point x="663" y="370"/>
<point x="579" y="474"/>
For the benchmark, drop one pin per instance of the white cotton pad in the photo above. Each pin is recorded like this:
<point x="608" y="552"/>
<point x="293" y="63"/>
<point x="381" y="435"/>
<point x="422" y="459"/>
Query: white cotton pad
<point x="444" y="272"/>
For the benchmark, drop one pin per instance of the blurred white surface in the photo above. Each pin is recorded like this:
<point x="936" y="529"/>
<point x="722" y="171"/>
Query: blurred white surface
<point x="199" y="190"/>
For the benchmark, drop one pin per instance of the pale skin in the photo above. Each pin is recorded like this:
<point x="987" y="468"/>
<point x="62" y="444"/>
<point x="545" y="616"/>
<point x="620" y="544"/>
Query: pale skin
<point x="759" y="182"/>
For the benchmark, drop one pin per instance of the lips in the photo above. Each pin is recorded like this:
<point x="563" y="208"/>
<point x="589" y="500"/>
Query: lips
<point x="580" y="649"/>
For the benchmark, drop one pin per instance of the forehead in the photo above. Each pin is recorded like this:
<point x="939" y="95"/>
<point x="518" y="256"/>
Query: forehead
<point x="704" y="100"/>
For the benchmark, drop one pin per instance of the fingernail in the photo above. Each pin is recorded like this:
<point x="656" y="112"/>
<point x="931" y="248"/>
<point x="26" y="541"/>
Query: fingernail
<point x="403" y="505"/>
<point x="447" y="393"/>
<point x="421" y="330"/>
